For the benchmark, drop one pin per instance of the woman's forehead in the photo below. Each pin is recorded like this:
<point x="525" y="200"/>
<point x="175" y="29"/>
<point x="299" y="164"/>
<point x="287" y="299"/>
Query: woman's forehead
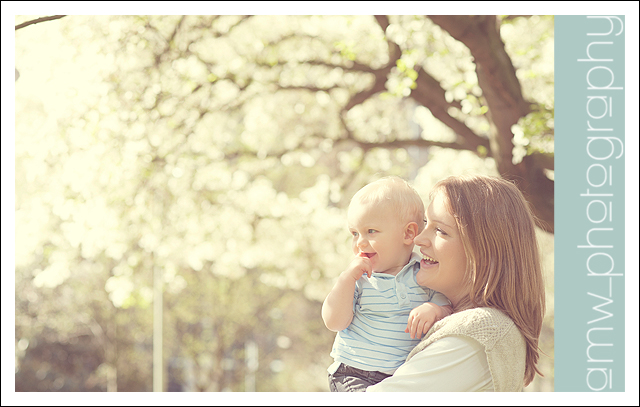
<point x="438" y="210"/>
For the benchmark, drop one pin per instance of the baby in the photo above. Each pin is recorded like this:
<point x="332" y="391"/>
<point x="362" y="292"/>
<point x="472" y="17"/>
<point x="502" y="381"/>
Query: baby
<point x="376" y="307"/>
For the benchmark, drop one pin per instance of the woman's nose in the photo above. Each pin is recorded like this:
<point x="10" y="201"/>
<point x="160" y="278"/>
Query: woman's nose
<point x="421" y="239"/>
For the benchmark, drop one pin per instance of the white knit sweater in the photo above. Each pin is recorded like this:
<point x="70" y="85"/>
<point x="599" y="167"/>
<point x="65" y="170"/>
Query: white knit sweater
<point x="503" y="343"/>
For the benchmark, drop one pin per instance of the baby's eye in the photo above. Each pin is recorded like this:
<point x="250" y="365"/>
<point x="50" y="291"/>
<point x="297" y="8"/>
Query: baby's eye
<point x="354" y="234"/>
<point x="370" y="231"/>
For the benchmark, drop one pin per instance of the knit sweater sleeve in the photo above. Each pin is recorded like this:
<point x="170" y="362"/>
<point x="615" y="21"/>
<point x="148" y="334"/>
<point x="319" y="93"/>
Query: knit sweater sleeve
<point x="503" y="343"/>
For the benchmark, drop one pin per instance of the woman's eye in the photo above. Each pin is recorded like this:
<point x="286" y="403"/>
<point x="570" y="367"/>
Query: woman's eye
<point x="442" y="232"/>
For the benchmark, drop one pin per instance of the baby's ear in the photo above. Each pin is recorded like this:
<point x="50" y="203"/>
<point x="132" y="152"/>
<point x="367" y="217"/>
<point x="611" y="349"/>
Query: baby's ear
<point x="410" y="232"/>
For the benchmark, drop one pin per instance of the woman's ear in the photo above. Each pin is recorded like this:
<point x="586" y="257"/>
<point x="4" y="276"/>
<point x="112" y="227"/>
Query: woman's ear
<point x="410" y="232"/>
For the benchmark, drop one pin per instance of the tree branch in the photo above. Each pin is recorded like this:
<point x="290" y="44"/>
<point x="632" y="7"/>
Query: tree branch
<point x="394" y="49"/>
<point x="380" y="74"/>
<point x="496" y="76"/>
<point x="305" y="87"/>
<point x="175" y="31"/>
<point x="38" y="20"/>
<point x="360" y="97"/>
<point x="541" y="160"/>
<point x="237" y="23"/>
<point x="502" y="92"/>
<point x="512" y="17"/>
<point x="355" y="66"/>
<point x="410" y="143"/>
<point x="430" y="94"/>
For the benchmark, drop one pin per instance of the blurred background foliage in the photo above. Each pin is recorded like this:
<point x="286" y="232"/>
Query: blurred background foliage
<point x="221" y="152"/>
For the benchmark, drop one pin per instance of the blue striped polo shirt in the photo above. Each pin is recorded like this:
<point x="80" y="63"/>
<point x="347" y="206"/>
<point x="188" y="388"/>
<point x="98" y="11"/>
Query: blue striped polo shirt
<point x="375" y="340"/>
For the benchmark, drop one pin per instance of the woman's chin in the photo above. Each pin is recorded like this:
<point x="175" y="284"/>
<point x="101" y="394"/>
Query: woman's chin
<point x="424" y="275"/>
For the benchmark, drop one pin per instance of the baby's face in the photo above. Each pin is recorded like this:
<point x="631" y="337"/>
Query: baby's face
<point x="378" y="234"/>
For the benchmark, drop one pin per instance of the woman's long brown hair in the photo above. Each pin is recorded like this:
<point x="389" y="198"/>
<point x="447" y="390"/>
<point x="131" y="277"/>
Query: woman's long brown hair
<point x="498" y="233"/>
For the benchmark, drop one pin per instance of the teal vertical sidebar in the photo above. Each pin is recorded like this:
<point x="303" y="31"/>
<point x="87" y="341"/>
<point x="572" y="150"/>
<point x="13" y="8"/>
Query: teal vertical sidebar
<point x="589" y="204"/>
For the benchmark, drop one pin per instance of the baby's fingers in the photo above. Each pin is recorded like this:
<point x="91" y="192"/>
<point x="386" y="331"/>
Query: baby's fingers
<point x="423" y="327"/>
<point x="415" y="327"/>
<point x="366" y="267"/>
<point x="408" y="329"/>
<point x="428" y="323"/>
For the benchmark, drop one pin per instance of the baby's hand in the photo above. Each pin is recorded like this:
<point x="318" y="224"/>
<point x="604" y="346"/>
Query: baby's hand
<point x="422" y="317"/>
<point x="359" y="266"/>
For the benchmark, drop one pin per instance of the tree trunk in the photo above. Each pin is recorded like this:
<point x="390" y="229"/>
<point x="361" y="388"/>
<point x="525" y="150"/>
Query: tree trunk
<point x="503" y="95"/>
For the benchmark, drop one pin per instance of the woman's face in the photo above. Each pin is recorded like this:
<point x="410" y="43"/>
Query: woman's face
<point x="444" y="262"/>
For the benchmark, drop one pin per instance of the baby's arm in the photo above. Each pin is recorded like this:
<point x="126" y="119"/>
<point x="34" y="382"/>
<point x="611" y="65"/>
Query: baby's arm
<point x="422" y="317"/>
<point x="337" y="309"/>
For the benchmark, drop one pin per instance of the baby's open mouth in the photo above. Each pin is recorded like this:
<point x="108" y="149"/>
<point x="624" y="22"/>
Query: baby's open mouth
<point x="369" y="255"/>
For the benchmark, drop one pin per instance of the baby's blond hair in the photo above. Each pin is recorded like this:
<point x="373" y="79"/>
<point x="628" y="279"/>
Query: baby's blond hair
<point x="396" y="192"/>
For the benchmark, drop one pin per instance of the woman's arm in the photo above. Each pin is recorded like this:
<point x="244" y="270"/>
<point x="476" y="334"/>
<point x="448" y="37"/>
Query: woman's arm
<point x="453" y="363"/>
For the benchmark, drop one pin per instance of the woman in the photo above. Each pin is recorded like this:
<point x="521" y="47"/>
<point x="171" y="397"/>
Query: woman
<point x="479" y="249"/>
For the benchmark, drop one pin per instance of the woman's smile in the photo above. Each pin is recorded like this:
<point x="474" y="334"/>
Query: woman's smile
<point x="427" y="261"/>
<point x="444" y="268"/>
